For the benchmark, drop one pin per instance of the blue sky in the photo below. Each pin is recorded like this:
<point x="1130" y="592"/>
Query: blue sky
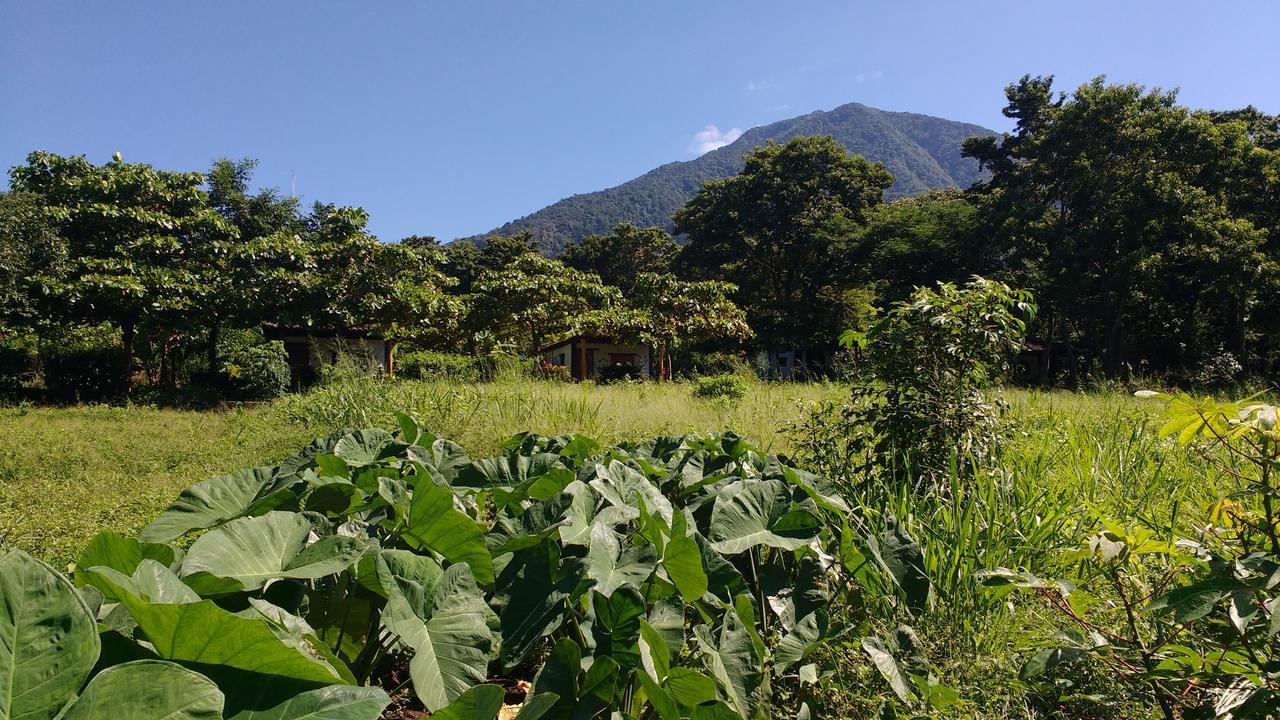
<point x="449" y="119"/>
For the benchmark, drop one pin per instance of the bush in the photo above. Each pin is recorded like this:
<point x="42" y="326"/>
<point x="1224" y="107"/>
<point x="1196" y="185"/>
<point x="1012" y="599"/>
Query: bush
<point x="619" y="372"/>
<point x="16" y="363"/>
<point x="547" y="370"/>
<point x="427" y="365"/>
<point x="259" y="372"/>
<point x="710" y="364"/>
<point x="80" y="370"/>
<point x="721" y="387"/>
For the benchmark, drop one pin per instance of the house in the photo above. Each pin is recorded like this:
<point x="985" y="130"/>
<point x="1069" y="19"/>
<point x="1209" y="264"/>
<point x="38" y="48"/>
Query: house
<point x="589" y="357"/>
<point x="309" y="349"/>
<point x="799" y="363"/>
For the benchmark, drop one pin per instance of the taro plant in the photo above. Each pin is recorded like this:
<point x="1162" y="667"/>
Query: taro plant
<point x="682" y="577"/>
<point x="1191" y="620"/>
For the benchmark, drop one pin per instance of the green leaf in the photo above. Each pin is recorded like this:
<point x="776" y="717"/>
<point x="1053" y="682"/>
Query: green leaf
<point x="660" y="699"/>
<point x="1048" y="659"/>
<point x="803" y="639"/>
<point x="147" y="690"/>
<point x="888" y="666"/>
<point x="365" y="447"/>
<point x="733" y="662"/>
<point x="683" y="562"/>
<point x="898" y="554"/>
<point x="255" y="550"/>
<point x="532" y="600"/>
<point x="689" y="687"/>
<point x="535" y="706"/>
<point x="108" y="549"/>
<point x="212" y="502"/>
<point x="655" y="658"/>
<point x="615" y="625"/>
<point x="48" y="639"/>
<point x="612" y="567"/>
<point x="435" y="524"/>
<point x="748" y="513"/>
<point x="481" y="702"/>
<point x="453" y="647"/>
<point x="150" y="581"/>
<point x="1190" y="603"/>
<point x="559" y="677"/>
<point x="204" y="633"/>
<point x="335" y="702"/>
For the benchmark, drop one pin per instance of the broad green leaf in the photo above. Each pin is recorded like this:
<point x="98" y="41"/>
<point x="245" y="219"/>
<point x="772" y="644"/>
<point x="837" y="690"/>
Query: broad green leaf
<point x="615" y="625"/>
<point x="717" y="710"/>
<point x="365" y="447"/>
<point x="888" y="666"/>
<point x="898" y="554"/>
<point x="108" y="549"/>
<point x="435" y="524"/>
<point x="625" y="488"/>
<point x="1190" y="603"/>
<point x="689" y="687"/>
<point x="1048" y="659"/>
<point x="453" y="647"/>
<point x="532" y="600"/>
<point x="683" y="562"/>
<point x="803" y="639"/>
<point x="748" y="513"/>
<point x="655" y="658"/>
<point x="577" y="527"/>
<point x="660" y="699"/>
<point x="612" y="567"/>
<point x="48" y="639"/>
<point x="148" y="690"/>
<point x="255" y="550"/>
<point x="150" y="581"/>
<point x="733" y="662"/>
<point x="535" y="706"/>
<point x="204" y="633"/>
<point x="335" y="702"/>
<point x="559" y="676"/>
<point x="212" y="502"/>
<point x="481" y="702"/>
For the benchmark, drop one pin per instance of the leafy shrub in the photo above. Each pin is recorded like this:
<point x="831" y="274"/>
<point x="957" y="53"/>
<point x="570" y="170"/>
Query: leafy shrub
<point x="543" y="369"/>
<point x="618" y="372"/>
<point x="710" y="364"/>
<point x="1201" y="612"/>
<point x="720" y="387"/>
<point x="16" y="364"/>
<point x="932" y="357"/>
<point x="80" y="370"/>
<point x="428" y="365"/>
<point x="259" y="372"/>
<point x="689" y="576"/>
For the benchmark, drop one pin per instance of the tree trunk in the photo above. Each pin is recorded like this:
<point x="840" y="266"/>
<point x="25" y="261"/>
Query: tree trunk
<point x="127" y="332"/>
<point x="1115" y="338"/>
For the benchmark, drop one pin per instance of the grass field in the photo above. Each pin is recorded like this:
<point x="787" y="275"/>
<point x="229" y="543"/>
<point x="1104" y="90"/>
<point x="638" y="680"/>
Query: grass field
<point x="1073" y="462"/>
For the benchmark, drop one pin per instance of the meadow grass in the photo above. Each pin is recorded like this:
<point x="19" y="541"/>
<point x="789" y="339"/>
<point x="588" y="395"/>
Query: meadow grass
<point x="1072" y="461"/>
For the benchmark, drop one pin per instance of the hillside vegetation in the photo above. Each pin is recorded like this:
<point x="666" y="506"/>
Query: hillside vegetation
<point x="921" y="151"/>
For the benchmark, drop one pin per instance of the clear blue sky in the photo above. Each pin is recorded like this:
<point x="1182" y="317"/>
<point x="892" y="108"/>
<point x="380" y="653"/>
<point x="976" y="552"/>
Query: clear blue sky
<point x="451" y="118"/>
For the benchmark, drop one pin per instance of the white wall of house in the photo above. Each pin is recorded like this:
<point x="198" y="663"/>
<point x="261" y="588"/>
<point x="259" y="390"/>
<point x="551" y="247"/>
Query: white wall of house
<point x="599" y="356"/>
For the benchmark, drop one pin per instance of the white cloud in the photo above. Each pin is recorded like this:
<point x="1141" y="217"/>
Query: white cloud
<point x="711" y="138"/>
<point x="865" y="76"/>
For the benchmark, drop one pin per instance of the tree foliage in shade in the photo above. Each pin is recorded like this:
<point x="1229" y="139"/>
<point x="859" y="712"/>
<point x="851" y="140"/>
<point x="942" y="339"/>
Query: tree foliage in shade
<point x="621" y="256"/>
<point x="133" y="236"/>
<point x="534" y="300"/>
<point x="776" y="231"/>
<point x="30" y="247"/>
<point x="1116" y="203"/>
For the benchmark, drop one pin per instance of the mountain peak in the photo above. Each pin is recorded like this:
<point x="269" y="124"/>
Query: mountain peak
<point x="922" y="152"/>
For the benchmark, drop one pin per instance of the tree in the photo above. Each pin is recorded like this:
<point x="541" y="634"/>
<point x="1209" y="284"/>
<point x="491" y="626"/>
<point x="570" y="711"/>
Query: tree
<point x="245" y="279"/>
<point x="535" y="299"/>
<point x="1109" y="201"/>
<point x="30" y="249"/>
<point x="622" y="255"/>
<point x="130" y="232"/>
<point x="915" y="242"/>
<point x="669" y="313"/>
<point x="775" y="231"/>
<point x="466" y="261"/>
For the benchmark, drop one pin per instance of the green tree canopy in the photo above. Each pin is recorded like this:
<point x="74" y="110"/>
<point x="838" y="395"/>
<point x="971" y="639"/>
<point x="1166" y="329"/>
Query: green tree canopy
<point x="775" y="231"/>
<point x="131" y="233"/>
<point x="622" y="255"/>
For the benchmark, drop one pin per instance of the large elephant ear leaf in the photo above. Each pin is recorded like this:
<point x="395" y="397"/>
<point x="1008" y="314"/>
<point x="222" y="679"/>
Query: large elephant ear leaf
<point x="901" y="556"/>
<point x="252" y="551"/>
<point x="755" y="512"/>
<point x="481" y="702"/>
<point x="211" y="502"/>
<point x="335" y="702"/>
<point x="145" y="690"/>
<point x="453" y="648"/>
<point x="108" y="549"/>
<point x="734" y="663"/>
<point x="366" y="447"/>
<point x="435" y="524"/>
<point x="48" y="639"/>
